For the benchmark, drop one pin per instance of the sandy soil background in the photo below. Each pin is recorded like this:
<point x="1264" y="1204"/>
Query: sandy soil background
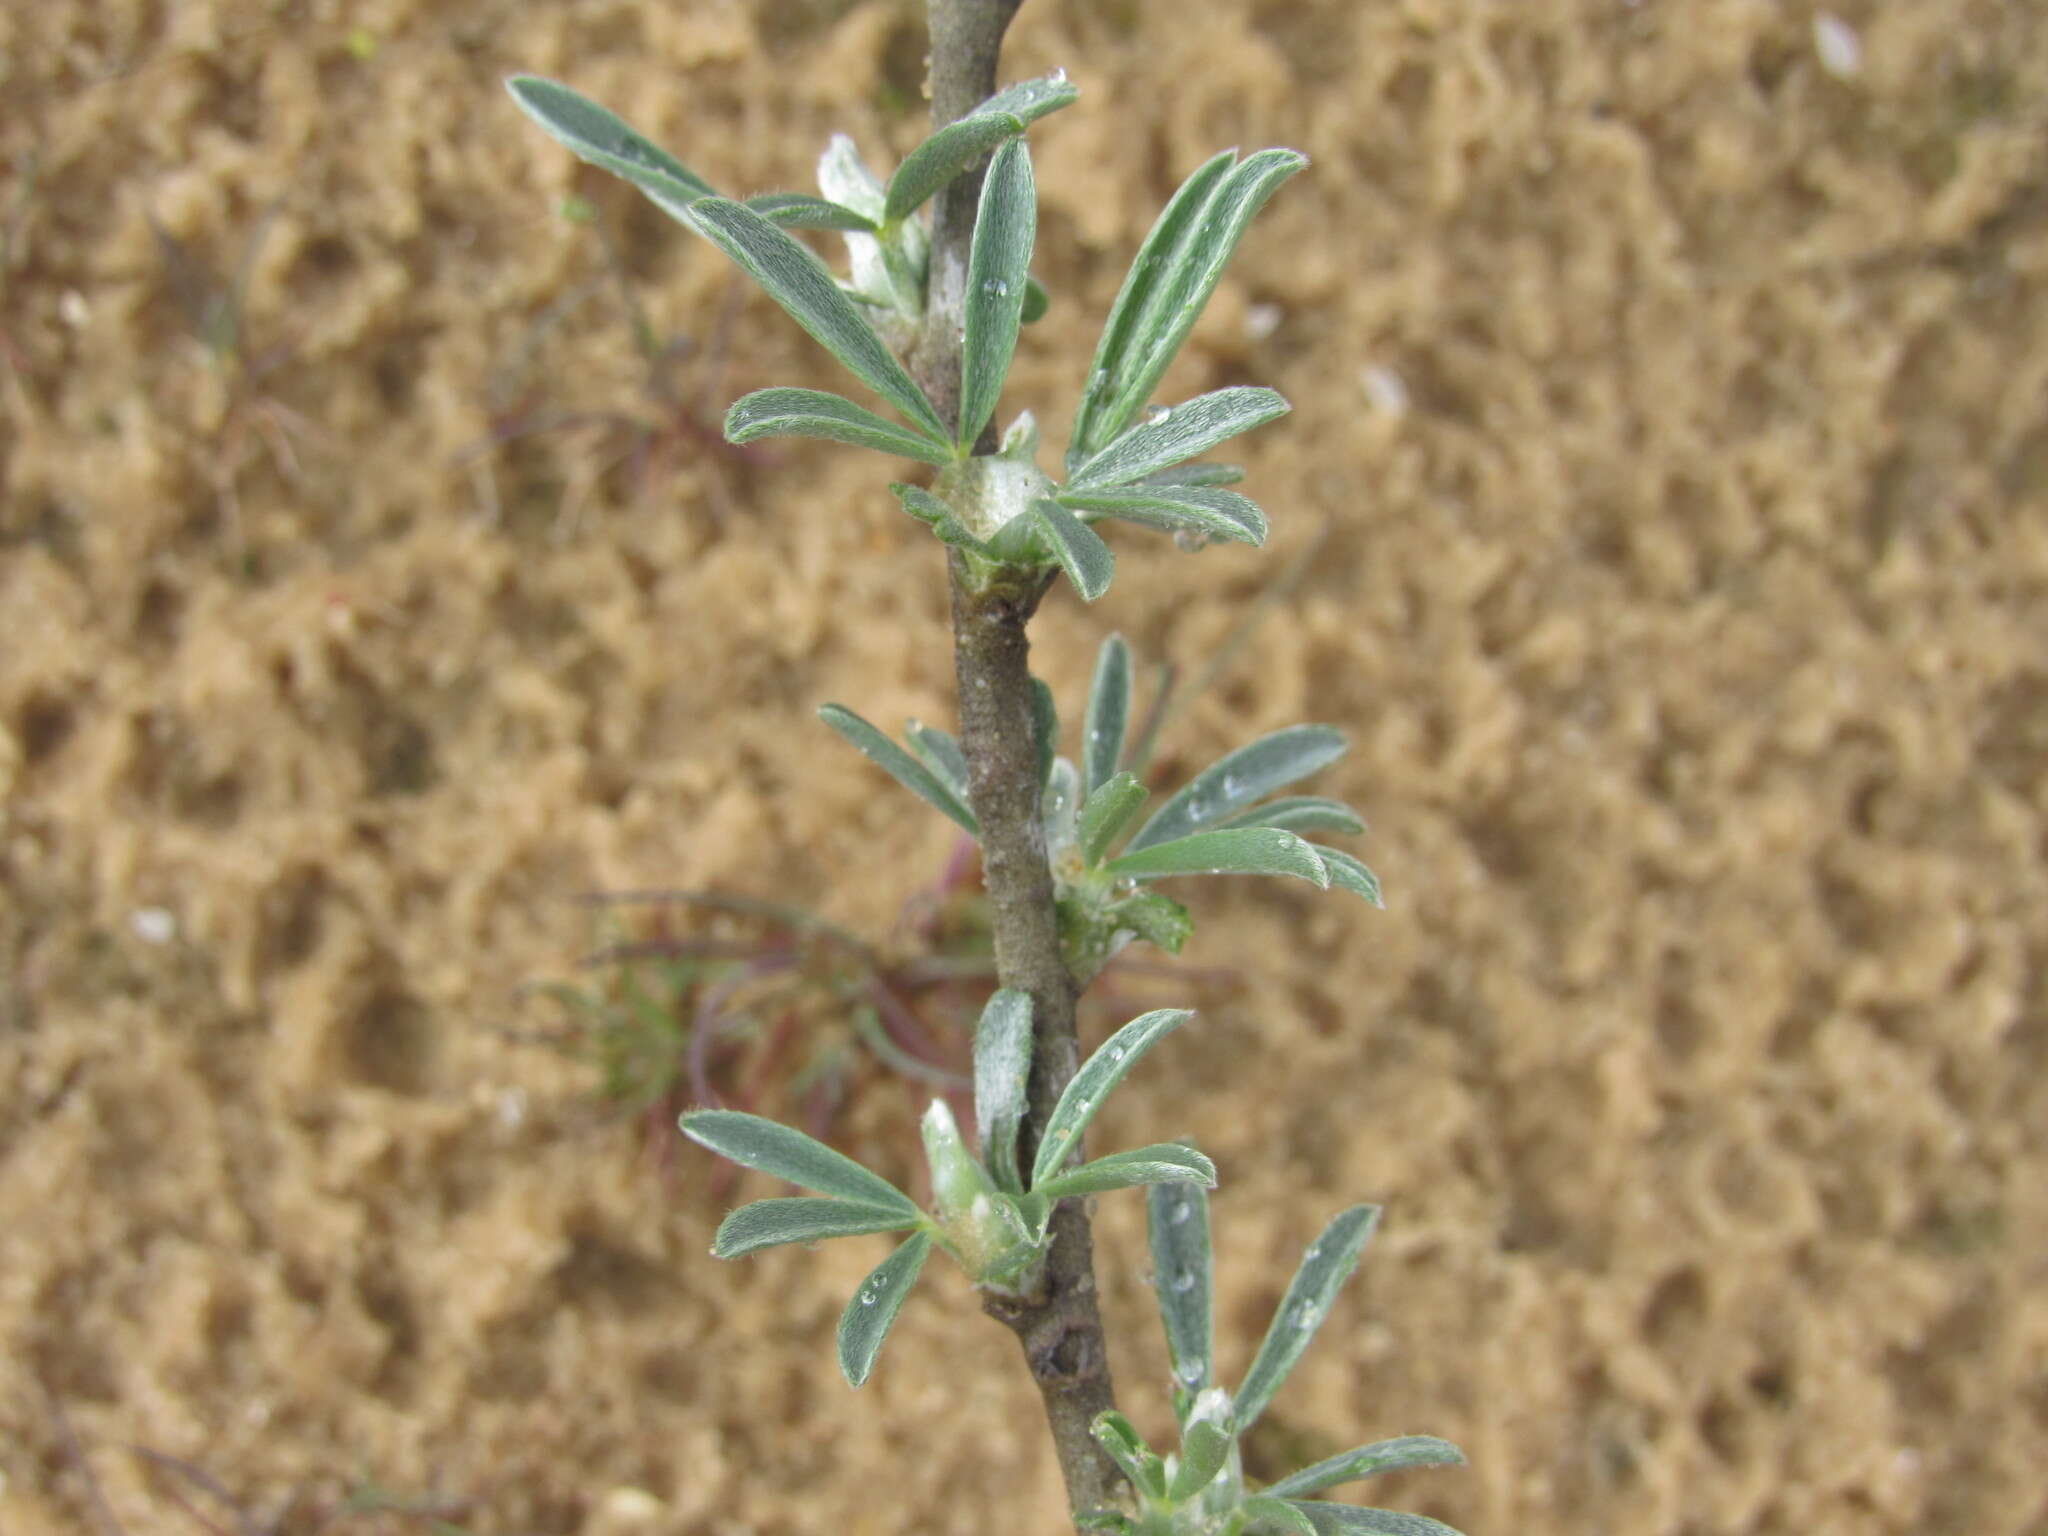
<point x="1674" y="412"/>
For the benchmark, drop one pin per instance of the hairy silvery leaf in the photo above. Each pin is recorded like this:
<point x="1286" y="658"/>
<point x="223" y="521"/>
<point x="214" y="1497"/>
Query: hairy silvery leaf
<point x="1198" y="475"/>
<point x="1002" y="1071"/>
<point x="789" y="1154"/>
<point x="1274" y="1517"/>
<point x="1109" y="710"/>
<point x="798" y="281"/>
<point x="1029" y="100"/>
<point x="1369" y="1461"/>
<point x="800" y="210"/>
<point x="1349" y="873"/>
<point x="1107" y="812"/>
<point x="1238" y="779"/>
<point x="592" y="133"/>
<point x="942" y="157"/>
<point x="1237" y="851"/>
<point x="1121" y="1442"/>
<point x="1177" y="300"/>
<point x="1301" y="813"/>
<point x="1174" y="433"/>
<point x="939" y="752"/>
<point x="789" y="412"/>
<point x="935" y="514"/>
<point x="898" y="764"/>
<point x="1098" y="1075"/>
<point x="1177" y="1217"/>
<point x="1325" y="1267"/>
<point x="1036" y="301"/>
<point x="845" y="179"/>
<point x="1005" y="225"/>
<point x="1117" y="353"/>
<point x="1203" y="1450"/>
<point x="1204" y="510"/>
<point x="1059" y="804"/>
<point x="803" y="1219"/>
<point x="1088" y="562"/>
<point x="1344" y="1519"/>
<point x="1166" y="1163"/>
<point x="872" y="1311"/>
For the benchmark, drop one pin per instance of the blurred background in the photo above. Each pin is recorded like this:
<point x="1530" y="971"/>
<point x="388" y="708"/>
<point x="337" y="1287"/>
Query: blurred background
<point x="1664" y="514"/>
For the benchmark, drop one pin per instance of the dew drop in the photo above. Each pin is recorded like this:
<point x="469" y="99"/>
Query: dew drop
<point x="1306" y="1315"/>
<point x="1184" y="1281"/>
<point x="1116" y="1053"/>
<point x="1158" y="414"/>
<point x="867" y="1298"/>
<point x="1192" y="1371"/>
<point x="1098" y="381"/>
<point x="1181" y="1211"/>
<point x="1059" y="76"/>
<point x="1230" y="786"/>
<point x="995" y="287"/>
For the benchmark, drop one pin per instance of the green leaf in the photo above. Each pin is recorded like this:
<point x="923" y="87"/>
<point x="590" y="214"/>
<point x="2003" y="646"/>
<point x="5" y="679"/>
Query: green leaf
<point x="1029" y="100"/>
<point x="873" y="1308"/>
<point x="942" y="157"/>
<point x="1204" y="510"/>
<point x="1176" y="301"/>
<point x="1350" y="874"/>
<point x="1342" y="1519"/>
<point x="1002" y="1072"/>
<point x="1166" y="1163"/>
<point x="939" y="752"/>
<point x="1060" y="804"/>
<point x="1198" y="475"/>
<point x="1045" y="730"/>
<point x="800" y="210"/>
<point x="1117" y="354"/>
<point x="786" y="412"/>
<point x="845" y="179"/>
<point x="898" y="764"/>
<point x="1156" y="918"/>
<point x="1300" y="813"/>
<point x="1177" y="1218"/>
<point x="798" y="281"/>
<point x="1274" y="1517"/>
<point x="1325" y="1267"/>
<point x="1107" y="1522"/>
<point x="1178" y="432"/>
<point x="940" y="518"/>
<point x="1091" y="1085"/>
<point x="1369" y="1461"/>
<point x="1106" y="813"/>
<point x="1109" y="710"/>
<point x="1238" y="779"/>
<point x="789" y="1154"/>
<point x="1122" y="1444"/>
<point x="1005" y="225"/>
<point x="1078" y="548"/>
<point x="1235" y="851"/>
<point x="1036" y="301"/>
<point x="1203" y="1450"/>
<point x="592" y="133"/>
<point x="803" y="1219"/>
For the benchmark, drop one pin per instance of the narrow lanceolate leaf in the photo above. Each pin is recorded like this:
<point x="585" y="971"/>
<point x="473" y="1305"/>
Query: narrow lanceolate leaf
<point x="1157" y="919"/>
<point x="592" y="133"/>
<point x="935" y="514"/>
<point x="1236" y="851"/>
<point x="1350" y="874"/>
<point x="1368" y="1461"/>
<point x="1122" y="1444"/>
<point x="1078" y="548"/>
<point x="1203" y="1450"/>
<point x="1109" y="711"/>
<point x="1242" y="777"/>
<point x="1106" y="813"/>
<point x="1207" y="510"/>
<point x="1197" y="475"/>
<point x="1177" y="1216"/>
<point x="1036" y="301"/>
<point x="1274" y="1517"/>
<point x="1029" y="100"/>
<point x="803" y="1219"/>
<point x="938" y="751"/>
<point x="1324" y="1268"/>
<point x="786" y="412"/>
<point x="800" y="210"/>
<point x="1168" y="1162"/>
<point x="1002" y="1071"/>
<point x="789" y="1154"/>
<point x="942" y="157"/>
<point x="1098" y="1075"/>
<point x="1116" y="355"/>
<point x="1301" y="813"/>
<point x="898" y="764"/>
<point x="1176" y="433"/>
<point x="1343" y="1519"/>
<point x="872" y="1311"/>
<point x="998" y="265"/>
<point x="798" y="281"/>
<point x="1177" y="301"/>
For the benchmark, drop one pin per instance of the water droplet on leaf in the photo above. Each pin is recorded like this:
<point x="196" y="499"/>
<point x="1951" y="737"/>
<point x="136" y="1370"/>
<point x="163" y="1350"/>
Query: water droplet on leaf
<point x="1184" y="1281"/>
<point x="867" y="1298"/>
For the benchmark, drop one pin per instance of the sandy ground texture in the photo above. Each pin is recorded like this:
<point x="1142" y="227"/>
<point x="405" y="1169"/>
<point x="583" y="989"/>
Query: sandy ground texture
<point x="1670" y="456"/>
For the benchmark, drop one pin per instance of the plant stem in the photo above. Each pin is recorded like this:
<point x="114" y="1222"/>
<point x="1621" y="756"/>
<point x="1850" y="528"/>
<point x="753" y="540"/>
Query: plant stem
<point x="1058" y="1323"/>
